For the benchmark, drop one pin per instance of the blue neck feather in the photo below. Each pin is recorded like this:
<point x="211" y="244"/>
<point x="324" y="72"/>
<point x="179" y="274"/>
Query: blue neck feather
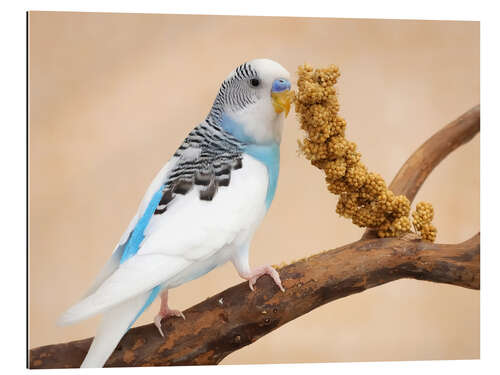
<point x="235" y="129"/>
<point x="268" y="154"/>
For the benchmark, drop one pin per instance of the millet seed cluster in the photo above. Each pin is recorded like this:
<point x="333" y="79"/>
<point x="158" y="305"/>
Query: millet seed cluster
<point x="363" y="195"/>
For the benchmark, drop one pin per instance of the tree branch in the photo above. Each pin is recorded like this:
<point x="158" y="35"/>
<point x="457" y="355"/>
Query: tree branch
<point x="422" y="162"/>
<point x="413" y="173"/>
<point x="237" y="317"/>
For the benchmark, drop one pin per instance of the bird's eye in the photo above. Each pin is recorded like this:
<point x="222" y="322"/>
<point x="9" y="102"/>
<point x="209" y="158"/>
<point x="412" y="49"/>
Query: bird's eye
<point x="255" y="82"/>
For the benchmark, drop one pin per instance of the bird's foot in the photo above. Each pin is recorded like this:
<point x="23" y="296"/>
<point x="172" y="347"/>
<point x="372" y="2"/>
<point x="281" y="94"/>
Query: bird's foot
<point x="165" y="313"/>
<point x="260" y="271"/>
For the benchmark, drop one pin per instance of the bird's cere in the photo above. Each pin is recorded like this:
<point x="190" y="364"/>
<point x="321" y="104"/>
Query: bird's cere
<point x="363" y="195"/>
<point x="280" y="85"/>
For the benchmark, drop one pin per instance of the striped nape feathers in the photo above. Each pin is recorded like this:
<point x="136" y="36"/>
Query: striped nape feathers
<point x="235" y="92"/>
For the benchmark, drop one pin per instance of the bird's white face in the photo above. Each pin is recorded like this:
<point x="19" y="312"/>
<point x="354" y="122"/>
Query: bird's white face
<point x="262" y="119"/>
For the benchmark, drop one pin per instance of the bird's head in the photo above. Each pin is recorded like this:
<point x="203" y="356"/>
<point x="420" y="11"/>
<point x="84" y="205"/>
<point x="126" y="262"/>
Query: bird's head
<point x="253" y="101"/>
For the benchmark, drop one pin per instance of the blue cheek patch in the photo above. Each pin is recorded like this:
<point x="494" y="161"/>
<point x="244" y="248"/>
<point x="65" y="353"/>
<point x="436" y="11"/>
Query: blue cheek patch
<point x="280" y="85"/>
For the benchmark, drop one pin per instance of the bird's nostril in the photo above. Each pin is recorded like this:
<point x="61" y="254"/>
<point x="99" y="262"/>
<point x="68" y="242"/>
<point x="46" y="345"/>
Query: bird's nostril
<point x="280" y="84"/>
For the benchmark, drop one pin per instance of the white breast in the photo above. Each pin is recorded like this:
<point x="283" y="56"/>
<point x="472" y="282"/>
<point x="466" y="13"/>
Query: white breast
<point x="207" y="232"/>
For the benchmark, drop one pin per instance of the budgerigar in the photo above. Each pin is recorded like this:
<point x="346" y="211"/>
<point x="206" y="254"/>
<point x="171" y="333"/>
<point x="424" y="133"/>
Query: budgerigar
<point x="200" y="211"/>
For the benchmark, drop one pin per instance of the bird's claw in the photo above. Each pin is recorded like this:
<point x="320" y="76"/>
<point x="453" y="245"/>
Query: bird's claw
<point x="164" y="314"/>
<point x="157" y="322"/>
<point x="264" y="270"/>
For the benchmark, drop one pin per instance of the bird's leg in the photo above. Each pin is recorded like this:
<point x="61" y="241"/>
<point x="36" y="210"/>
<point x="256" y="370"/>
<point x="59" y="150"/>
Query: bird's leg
<point x="240" y="261"/>
<point x="165" y="311"/>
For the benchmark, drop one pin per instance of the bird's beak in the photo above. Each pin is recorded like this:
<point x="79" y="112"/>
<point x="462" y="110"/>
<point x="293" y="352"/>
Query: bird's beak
<point x="281" y="101"/>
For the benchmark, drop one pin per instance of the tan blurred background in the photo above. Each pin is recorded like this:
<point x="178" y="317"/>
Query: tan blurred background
<point x="113" y="95"/>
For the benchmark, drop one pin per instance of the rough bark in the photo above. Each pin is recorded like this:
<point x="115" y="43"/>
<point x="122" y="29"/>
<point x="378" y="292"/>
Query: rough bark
<point x="237" y="317"/>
